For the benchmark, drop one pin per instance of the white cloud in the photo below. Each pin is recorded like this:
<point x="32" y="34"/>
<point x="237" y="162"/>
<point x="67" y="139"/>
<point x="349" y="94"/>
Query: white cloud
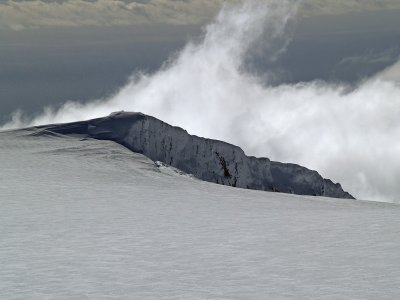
<point x="391" y="73"/>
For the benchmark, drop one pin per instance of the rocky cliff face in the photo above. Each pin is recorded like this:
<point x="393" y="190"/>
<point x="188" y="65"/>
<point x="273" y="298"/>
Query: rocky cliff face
<point x="206" y="159"/>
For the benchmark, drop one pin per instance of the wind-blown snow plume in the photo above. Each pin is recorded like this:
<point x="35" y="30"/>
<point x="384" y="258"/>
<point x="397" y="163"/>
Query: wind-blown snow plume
<point x="349" y="136"/>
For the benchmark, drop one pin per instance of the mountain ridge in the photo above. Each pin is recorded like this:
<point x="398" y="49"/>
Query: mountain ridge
<point x="207" y="159"/>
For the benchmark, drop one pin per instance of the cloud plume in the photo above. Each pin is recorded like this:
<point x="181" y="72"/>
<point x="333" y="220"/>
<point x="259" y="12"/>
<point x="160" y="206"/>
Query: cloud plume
<point x="351" y="136"/>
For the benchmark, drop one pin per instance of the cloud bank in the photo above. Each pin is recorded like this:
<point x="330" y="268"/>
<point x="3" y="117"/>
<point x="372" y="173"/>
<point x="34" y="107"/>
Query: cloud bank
<point x="349" y="135"/>
<point x="329" y="7"/>
<point x="19" y="15"/>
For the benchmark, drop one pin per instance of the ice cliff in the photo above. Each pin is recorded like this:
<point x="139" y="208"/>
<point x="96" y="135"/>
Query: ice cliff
<point x="206" y="159"/>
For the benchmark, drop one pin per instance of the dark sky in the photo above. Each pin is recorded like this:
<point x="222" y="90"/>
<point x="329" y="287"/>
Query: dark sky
<point x="53" y="64"/>
<point x="47" y="66"/>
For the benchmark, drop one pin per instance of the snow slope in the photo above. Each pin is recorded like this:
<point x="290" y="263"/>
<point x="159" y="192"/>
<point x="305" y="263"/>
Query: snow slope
<point x="88" y="219"/>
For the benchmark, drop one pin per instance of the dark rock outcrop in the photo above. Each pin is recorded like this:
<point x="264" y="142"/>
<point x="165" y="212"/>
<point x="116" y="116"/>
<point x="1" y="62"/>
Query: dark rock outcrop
<point x="206" y="159"/>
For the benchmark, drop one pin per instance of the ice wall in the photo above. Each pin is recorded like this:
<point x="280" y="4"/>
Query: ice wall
<point x="206" y="159"/>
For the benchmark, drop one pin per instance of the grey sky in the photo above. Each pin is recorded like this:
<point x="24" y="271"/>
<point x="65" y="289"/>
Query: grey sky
<point x="41" y="67"/>
<point x="54" y="51"/>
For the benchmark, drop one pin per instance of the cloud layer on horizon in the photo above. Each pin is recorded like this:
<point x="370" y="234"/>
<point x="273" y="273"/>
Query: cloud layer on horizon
<point x="19" y="15"/>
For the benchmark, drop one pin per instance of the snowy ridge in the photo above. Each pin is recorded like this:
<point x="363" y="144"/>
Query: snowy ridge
<point x="206" y="159"/>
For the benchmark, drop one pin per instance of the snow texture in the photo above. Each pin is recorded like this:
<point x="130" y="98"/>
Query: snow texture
<point x="206" y="159"/>
<point x="82" y="218"/>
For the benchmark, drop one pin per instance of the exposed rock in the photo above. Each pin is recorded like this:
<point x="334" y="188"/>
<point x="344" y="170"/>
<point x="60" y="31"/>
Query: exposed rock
<point x="206" y="159"/>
